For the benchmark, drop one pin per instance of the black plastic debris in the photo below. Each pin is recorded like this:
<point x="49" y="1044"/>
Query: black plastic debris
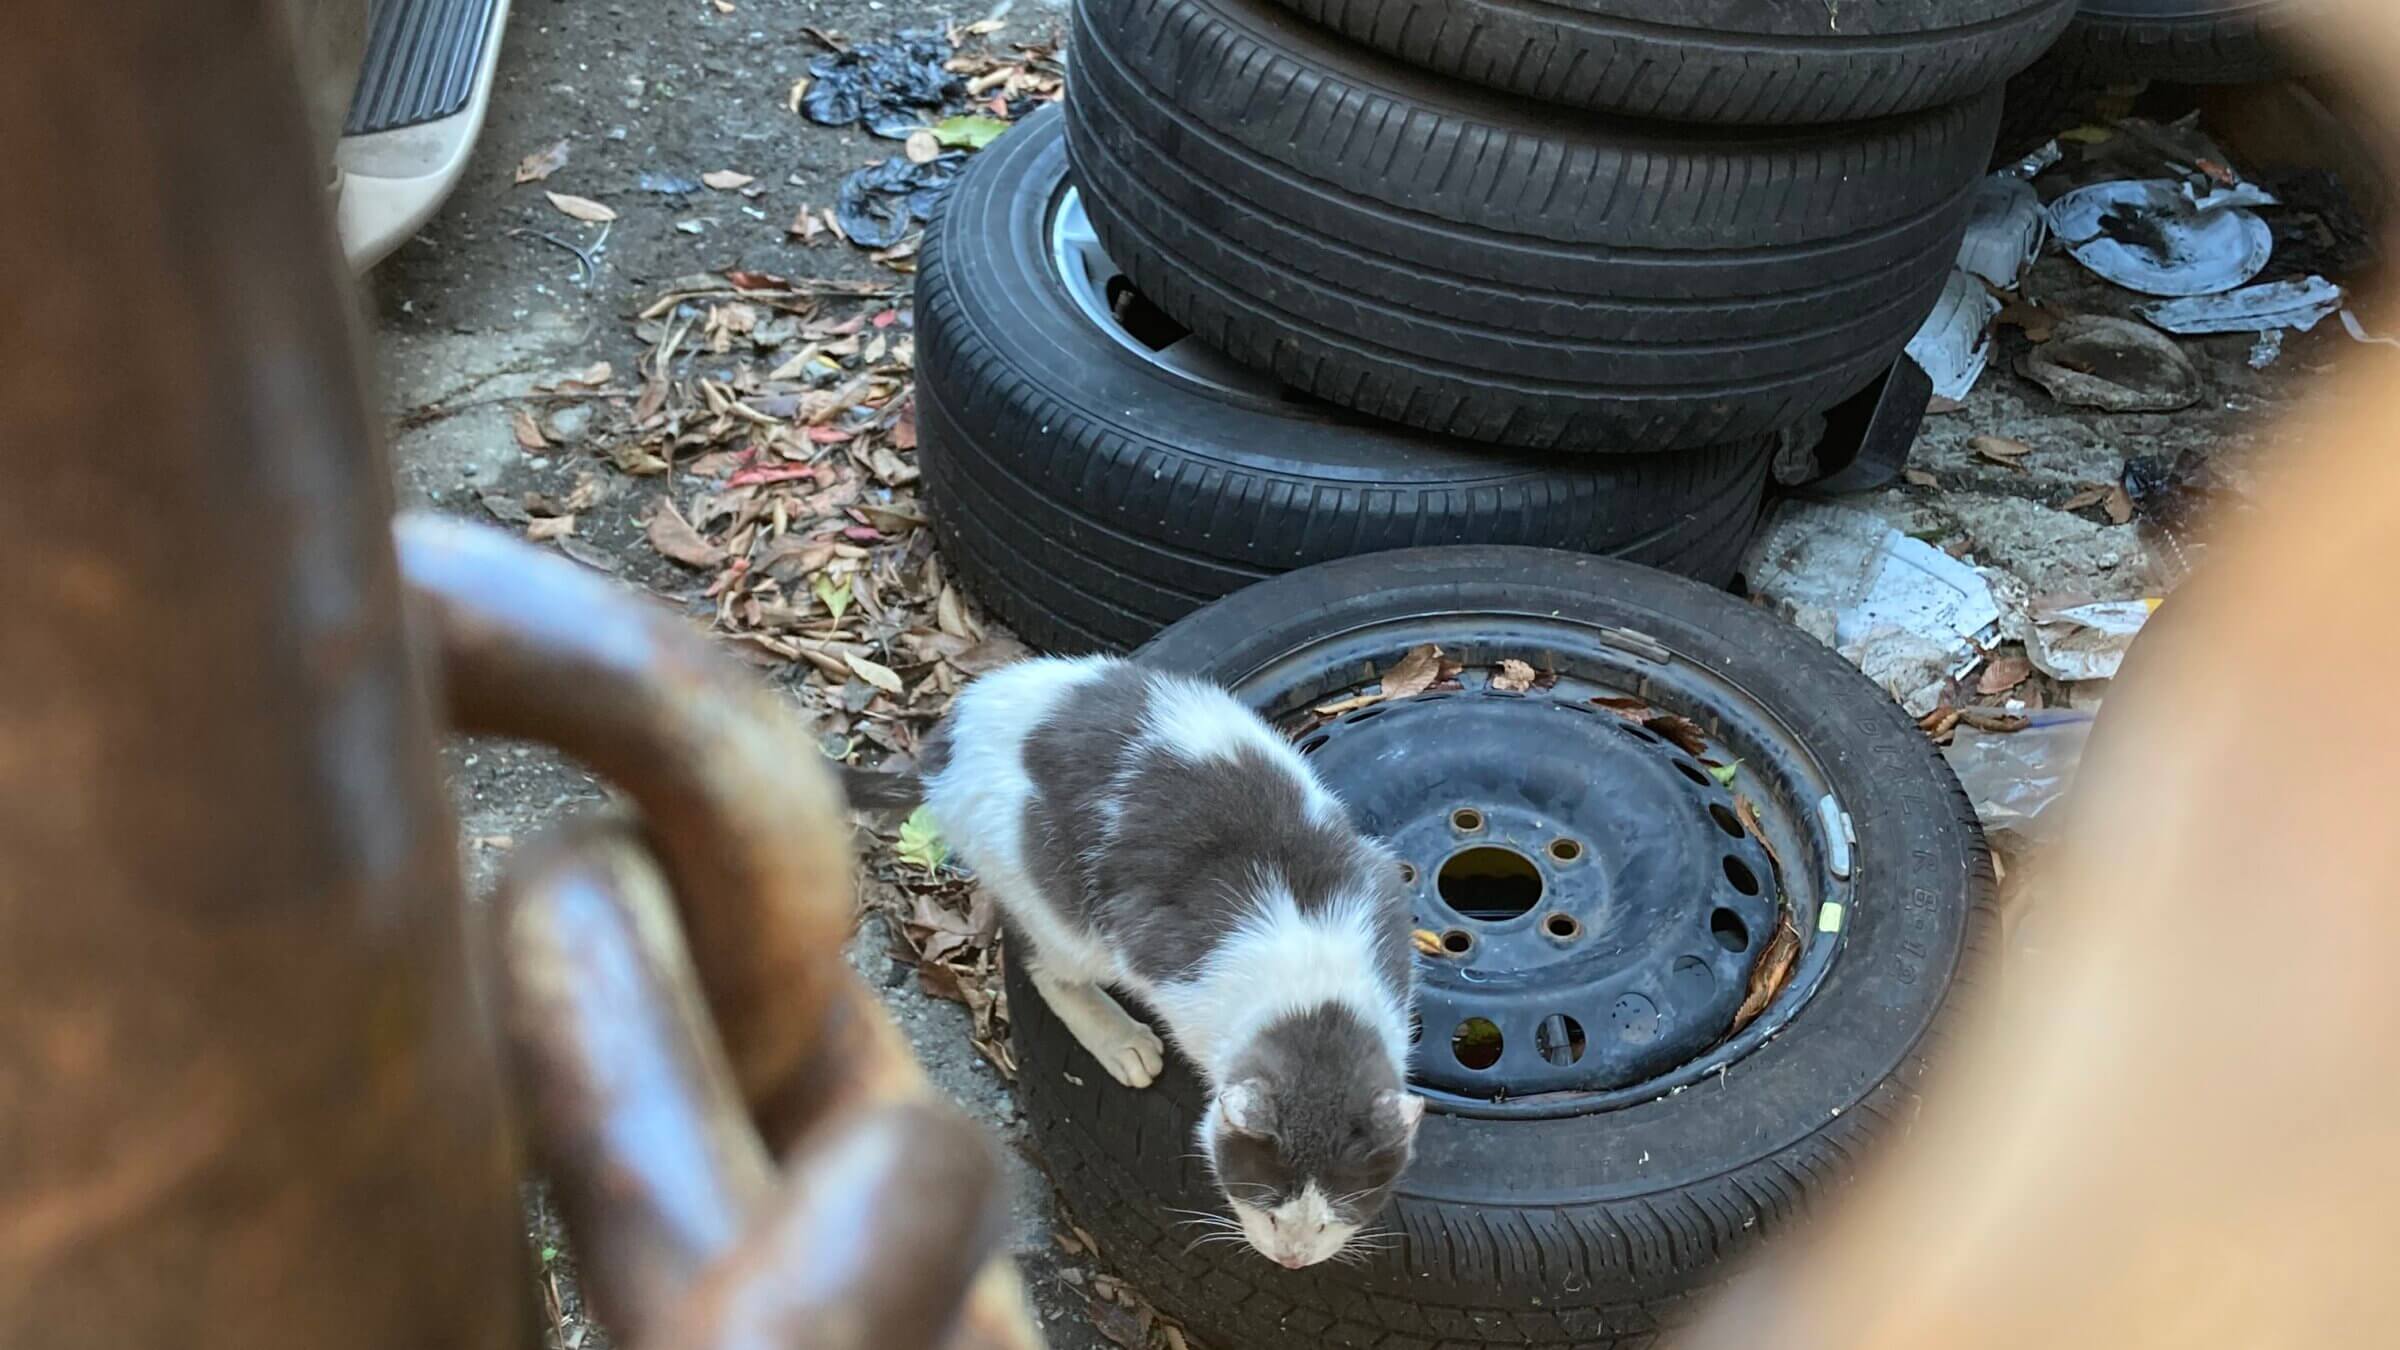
<point x="2175" y="493"/>
<point x="882" y="84"/>
<point x="877" y="205"/>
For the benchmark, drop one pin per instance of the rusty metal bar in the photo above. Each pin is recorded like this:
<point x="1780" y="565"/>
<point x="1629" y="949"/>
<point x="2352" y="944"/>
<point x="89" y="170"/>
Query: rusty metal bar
<point x="886" y="1214"/>
<point x="875" y="1224"/>
<point x="248" y="1095"/>
<point x="734" y="793"/>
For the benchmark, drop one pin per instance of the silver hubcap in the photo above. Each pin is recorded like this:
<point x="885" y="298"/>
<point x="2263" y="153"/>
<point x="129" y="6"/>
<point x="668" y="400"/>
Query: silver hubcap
<point x="1090" y="277"/>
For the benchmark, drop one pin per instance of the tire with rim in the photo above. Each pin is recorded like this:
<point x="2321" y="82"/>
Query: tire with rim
<point x="2185" y="41"/>
<point x="1718" y="61"/>
<point x="1092" y="489"/>
<point x="1487" y="267"/>
<point x="1589" y="1218"/>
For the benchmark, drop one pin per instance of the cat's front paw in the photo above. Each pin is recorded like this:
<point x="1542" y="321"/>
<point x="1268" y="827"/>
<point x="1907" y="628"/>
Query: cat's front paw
<point x="1136" y="1056"/>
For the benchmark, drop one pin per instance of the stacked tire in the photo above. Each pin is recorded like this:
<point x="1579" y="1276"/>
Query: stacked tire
<point x="2120" y="42"/>
<point x="1306" y="286"/>
<point x="1312" y="278"/>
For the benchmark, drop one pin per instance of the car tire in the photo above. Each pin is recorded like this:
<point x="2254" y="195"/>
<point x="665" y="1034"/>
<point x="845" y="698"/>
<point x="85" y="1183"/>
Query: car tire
<point x="1487" y="267"/>
<point x="1598" y="1229"/>
<point x="2183" y="41"/>
<point x="1091" y="495"/>
<point x="1710" y="61"/>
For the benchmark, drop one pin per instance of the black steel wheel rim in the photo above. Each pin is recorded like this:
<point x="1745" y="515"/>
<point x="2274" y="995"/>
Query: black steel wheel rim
<point x="1591" y="896"/>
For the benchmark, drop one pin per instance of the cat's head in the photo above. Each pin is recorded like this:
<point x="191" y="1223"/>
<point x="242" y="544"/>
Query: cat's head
<point x="1308" y="1132"/>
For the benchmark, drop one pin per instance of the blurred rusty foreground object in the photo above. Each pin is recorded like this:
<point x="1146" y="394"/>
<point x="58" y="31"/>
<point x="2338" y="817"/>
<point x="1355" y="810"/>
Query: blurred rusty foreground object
<point x="880" y="1231"/>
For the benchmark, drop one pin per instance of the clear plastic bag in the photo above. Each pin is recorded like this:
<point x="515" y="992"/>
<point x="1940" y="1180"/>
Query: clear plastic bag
<point x="2017" y="779"/>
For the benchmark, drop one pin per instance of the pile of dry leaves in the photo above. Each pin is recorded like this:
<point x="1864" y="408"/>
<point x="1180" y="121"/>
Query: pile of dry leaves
<point x="768" y="442"/>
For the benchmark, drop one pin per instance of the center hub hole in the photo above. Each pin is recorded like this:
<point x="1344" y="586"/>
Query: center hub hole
<point x="1490" y="883"/>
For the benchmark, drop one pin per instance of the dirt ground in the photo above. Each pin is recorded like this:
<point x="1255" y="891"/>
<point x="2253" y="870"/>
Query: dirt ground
<point x="472" y="313"/>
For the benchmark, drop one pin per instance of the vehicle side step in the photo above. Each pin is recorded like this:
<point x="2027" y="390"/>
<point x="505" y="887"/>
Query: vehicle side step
<point x="423" y="57"/>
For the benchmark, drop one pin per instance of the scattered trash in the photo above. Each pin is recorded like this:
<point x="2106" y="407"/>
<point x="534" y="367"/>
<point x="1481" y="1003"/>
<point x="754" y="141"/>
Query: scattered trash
<point x="2357" y="330"/>
<point x="883" y="84"/>
<point x="668" y="184"/>
<point x="543" y="163"/>
<point x="2116" y="365"/>
<point x="878" y="205"/>
<point x="2158" y="237"/>
<point x="2073" y="643"/>
<point x="1909" y="615"/>
<point x="2262" y="308"/>
<point x="2035" y="164"/>
<point x="2005" y="230"/>
<point x="2170" y="493"/>
<point x="2015" y="779"/>
<point x="1955" y="343"/>
<point x="2267" y="350"/>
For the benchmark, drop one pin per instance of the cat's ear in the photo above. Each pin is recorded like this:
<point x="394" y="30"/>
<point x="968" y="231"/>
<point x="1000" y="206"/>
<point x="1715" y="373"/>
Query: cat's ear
<point x="1247" y="1109"/>
<point x="1399" y="1112"/>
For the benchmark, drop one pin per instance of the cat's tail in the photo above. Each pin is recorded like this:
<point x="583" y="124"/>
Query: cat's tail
<point x="877" y="790"/>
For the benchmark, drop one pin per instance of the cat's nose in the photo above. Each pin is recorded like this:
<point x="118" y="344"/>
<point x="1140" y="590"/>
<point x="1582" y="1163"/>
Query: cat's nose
<point x="1292" y="1262"/>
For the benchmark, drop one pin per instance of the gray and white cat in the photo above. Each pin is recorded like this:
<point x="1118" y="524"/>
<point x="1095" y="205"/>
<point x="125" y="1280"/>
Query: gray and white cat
<point x="1147" y="831"/>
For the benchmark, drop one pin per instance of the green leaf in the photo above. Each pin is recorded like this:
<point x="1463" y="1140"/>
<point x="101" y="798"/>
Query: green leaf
<point x="836" y="598"/>
<point x="966" y="132"/>
<point x="549" y="1254"/>
<point x="1724" y="773"/>
<point x="921" y="841"/>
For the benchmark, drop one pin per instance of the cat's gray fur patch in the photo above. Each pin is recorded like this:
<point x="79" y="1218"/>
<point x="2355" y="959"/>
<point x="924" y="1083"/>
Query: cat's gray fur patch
<point x="1325" y="1070"/>
<point x="1161" y="853"/>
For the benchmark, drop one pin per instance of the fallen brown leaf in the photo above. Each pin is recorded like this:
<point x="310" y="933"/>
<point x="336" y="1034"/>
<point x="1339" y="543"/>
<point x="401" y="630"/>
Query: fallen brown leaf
<point x="2001" y="450"/>
<point x="1920" y="478"/>
<point x="1513" y="677"/>
<point x="506" y="509"/>
<point x="589" y="556"/>
<point x="527" y="431"/>
<point x="1937" y="406"/>
<point x="1770" y="975"/>
<point x="2093" y="495"/>
<point x="1413" y="673"/>
<point x="1683" y="731"/>
<point x="2037" y="322"/>
<point x="881" y="676"/>
<point x="1938" y="724"/>
<point x="2118" y="504"/>
<point x="1632" y="708"/>
<point x="1351" y="704"/>
<point x="805" y="226"/>
<point x="989" y="655"/>
<point x="543" y="163"/>
<point x="1428" y="942"/>
<point x="726" y="180"/>
<point x="582" y="208"/>
<point x="2003" y="674"/>
<point x="791" y="98"/>
<point x="674" y="538"/>
<point x="587" y="380"/>
<point x="550" y="527"/>
<point x="1120" y="1326"/>
<point x="1993" y="720"/>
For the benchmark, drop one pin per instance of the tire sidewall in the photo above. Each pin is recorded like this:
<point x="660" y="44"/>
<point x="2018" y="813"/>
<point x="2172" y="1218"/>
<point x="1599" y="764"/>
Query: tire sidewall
<point x="996" y="252"/>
